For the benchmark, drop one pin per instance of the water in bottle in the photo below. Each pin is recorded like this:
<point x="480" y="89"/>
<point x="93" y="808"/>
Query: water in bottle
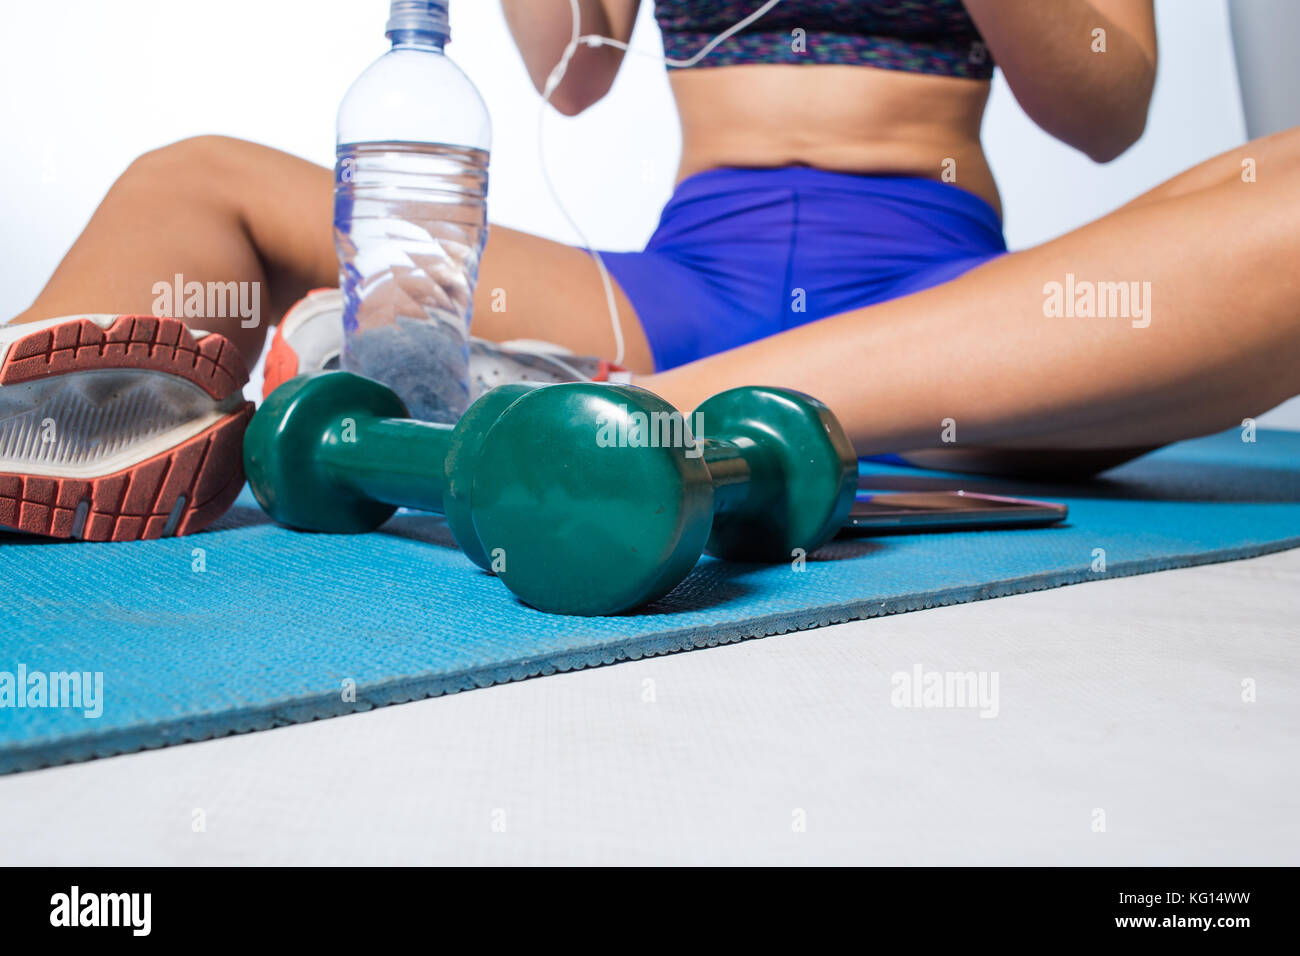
<point x="410" y="214"/>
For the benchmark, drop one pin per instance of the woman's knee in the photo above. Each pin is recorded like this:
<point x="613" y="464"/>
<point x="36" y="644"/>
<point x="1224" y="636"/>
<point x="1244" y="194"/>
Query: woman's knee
<point x="206" y="162"/>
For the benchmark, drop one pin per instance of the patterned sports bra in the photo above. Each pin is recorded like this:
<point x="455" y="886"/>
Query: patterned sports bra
<point x="919" y="36"/>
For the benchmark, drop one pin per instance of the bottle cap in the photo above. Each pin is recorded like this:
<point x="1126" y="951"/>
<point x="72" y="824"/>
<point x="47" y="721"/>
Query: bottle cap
<point x="418" y="16"/>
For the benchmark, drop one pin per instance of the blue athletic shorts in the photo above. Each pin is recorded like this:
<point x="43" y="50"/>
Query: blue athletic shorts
<point x="741" y="254"/>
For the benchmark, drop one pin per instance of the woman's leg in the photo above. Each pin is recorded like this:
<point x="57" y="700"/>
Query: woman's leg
<point x="216" y="209"/>
<point x="210" y="209"/>
<point x="533" y="288"/>
<point x="1219" y="342"/>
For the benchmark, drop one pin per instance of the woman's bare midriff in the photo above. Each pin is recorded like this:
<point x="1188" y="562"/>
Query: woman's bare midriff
<point x="851" y="119"/>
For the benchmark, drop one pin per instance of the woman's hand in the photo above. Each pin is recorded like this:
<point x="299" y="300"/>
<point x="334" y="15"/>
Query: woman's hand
<point x="1094" y="101"/>
<point x="543" y="28"/>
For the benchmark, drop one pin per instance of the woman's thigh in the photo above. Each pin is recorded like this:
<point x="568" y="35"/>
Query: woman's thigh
<point x="1275" y="158"/>
<point x="534" y="288"/>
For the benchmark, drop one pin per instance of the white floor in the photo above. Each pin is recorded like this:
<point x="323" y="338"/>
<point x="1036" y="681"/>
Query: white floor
<point x="1121" y="736"/>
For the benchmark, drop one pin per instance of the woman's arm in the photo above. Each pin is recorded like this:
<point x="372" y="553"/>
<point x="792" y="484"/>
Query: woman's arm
<point x="543" y="28"/>
<point x="1095" y="102"/>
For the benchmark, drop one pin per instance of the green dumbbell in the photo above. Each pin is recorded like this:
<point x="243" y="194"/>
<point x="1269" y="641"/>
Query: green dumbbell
<point x="335" y="452"/>
<point x="627" y="502"/>
<point x="562" y="490"/>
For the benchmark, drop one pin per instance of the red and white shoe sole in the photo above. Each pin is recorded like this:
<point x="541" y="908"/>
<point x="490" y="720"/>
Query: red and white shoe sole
<point x="177" y="489"/>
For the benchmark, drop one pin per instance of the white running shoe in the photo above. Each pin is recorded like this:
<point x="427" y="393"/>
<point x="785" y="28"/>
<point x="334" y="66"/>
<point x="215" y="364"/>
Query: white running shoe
<point x="310" y="338"/>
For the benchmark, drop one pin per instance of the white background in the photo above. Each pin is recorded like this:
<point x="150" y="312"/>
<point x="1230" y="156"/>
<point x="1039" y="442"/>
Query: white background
<point x="87" y="85"/>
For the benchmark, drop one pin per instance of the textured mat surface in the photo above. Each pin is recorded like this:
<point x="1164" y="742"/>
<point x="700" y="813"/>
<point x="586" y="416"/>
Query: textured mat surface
<point x="249" y="626"/>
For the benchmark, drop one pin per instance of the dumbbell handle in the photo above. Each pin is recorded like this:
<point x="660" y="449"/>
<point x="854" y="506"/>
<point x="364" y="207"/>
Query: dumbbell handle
<point x="400" y="461"/>
<point x="729" y="470"/>
<point x="394" y="460"/>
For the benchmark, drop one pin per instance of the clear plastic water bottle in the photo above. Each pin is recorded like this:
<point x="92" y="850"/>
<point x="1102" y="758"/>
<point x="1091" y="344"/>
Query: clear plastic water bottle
<point x="410" y="214"/>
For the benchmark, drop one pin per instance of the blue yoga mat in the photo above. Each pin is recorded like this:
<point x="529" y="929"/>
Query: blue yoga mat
<point x="250" y="626"/>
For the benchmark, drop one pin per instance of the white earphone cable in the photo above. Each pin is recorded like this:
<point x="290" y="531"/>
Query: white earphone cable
<point x="556" y="77"/>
